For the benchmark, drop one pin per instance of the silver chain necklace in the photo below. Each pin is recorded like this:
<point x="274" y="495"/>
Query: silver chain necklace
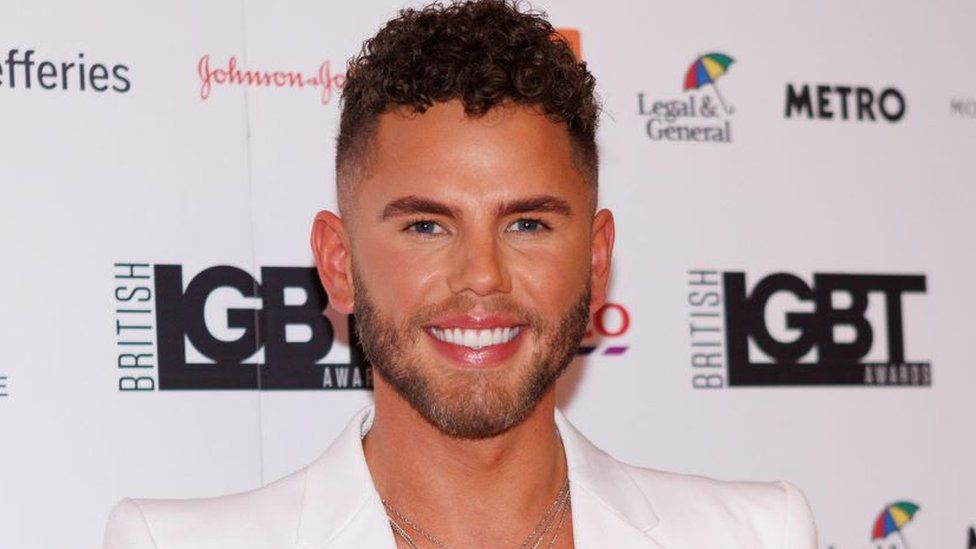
<point x="555" y="515"/>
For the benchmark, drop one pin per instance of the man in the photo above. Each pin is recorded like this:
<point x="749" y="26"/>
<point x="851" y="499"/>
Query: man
<point x="472" y="253"/>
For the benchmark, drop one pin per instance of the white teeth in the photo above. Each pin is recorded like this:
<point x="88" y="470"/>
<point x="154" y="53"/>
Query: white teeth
<point x="475" y="339"/>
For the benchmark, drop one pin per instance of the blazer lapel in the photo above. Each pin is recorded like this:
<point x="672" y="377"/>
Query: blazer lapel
<point x="597" y="525"/>
<point x="341" y="507"/>
<point x="609" y="510"/>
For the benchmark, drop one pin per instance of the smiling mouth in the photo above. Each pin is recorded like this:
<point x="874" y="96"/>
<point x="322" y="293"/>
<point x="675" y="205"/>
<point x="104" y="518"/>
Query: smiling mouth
<point x="475" y="338"/>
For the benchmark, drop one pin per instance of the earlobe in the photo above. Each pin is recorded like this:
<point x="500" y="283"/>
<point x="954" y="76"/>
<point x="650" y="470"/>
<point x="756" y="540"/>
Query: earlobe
<point x="330" y="244"/>
<point x="601" y="252"/>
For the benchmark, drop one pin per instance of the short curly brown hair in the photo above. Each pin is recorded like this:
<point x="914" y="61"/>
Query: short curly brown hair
<point x="484" y="53"/>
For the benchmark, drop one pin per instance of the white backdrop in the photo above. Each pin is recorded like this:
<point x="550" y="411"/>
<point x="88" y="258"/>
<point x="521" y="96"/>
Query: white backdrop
<point x="158" y="174"/>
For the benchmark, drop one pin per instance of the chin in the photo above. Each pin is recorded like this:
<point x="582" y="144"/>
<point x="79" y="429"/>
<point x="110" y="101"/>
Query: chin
<point x="473" y="403"/>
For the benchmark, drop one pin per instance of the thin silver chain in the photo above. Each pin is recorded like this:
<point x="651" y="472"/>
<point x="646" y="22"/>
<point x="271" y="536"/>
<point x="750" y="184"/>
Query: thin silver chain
<point x="555" y="514"/>
<point x="562" y="497"/>
<point x="562" y="519"/>
<point x="403" y="534"/>
<point x="561" y="515"/>
<point x="399" y="529"/>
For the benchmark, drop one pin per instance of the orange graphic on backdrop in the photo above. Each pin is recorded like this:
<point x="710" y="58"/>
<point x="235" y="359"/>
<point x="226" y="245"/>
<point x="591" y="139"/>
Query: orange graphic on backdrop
<point x="572" y="37"/>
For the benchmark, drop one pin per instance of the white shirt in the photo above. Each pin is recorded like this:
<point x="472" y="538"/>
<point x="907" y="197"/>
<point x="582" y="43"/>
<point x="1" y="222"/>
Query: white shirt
<point x="333" y="504"/>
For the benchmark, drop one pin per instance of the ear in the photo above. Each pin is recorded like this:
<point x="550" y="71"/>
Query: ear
<point x="601" y="250"/>
<point x="330" y="243"/>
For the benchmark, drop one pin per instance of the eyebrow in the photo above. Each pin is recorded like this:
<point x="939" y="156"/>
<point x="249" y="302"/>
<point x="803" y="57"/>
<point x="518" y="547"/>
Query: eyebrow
<point x="540" y="204"/>
<point x="412" y="205"/>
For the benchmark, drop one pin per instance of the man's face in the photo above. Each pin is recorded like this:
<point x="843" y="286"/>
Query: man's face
<point x="471" y="245"/>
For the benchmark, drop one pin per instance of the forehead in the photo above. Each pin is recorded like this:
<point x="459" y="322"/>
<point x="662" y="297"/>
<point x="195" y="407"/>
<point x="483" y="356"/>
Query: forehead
<point x="510" y="150"/>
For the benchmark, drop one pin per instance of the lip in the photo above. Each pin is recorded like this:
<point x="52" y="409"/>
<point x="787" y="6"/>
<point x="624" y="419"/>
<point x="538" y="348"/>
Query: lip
<point x="486" y="357"/>
<point x="476" y="322"/>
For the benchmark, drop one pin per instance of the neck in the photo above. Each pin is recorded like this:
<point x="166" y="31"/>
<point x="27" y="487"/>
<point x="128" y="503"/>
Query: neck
<point x="465" y="490"/>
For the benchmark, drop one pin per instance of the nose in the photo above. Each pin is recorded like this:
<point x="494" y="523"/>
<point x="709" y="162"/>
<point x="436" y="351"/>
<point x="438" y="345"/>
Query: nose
<point x="479" y="266"/>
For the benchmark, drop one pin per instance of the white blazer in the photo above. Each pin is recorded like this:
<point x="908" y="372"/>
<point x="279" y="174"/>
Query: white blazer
<point x="332" y="504"/>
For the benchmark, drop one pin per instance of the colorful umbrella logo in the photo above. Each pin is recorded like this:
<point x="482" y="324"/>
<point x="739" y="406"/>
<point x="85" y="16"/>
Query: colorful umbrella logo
<point x="706" y="70"/>
<point x="892" y="519"/>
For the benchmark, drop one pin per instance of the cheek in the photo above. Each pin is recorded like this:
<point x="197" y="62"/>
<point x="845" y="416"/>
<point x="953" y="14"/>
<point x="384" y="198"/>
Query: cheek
<point x="551" y="280"/>
<point x="398" y="280"/>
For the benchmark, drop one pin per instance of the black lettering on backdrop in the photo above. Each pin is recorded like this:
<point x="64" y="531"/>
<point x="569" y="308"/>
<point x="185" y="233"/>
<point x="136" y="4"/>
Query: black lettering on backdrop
<point x="834" y="102"/>
<point x="117" y="72"/>
<point x="287" y="364"/>
<point x="963" y="107"/>
<point x="798" y="102"/>
<point x="838" y="362"/>
<point x="22" y="69"/>
<point x="133" y="326"/>
<point x="705" y="328"/>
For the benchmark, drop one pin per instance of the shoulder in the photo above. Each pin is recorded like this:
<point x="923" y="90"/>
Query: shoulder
<point x="265" y="517"/>
<point x="747" y="514"/>
<point x="692" y="512"/>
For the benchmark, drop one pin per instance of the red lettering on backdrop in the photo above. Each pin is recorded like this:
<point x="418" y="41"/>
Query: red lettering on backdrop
<point x="203" y="70"/>
<point x="234" y="75"/>
<point x="598" y="322"/>
<point x="328" y="81"/>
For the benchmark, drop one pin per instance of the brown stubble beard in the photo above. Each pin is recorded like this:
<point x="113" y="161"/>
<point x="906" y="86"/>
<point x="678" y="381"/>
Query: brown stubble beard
<point x="468" y="404"/>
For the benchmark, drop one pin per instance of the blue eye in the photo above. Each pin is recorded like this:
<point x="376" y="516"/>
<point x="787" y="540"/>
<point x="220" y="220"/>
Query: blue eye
<point x="527" y="226"/>
<point x="425" y="227"/>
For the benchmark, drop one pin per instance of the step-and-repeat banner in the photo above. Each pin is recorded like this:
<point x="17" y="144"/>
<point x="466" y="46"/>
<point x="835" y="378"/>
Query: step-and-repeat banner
<point x="794" y="189"/>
